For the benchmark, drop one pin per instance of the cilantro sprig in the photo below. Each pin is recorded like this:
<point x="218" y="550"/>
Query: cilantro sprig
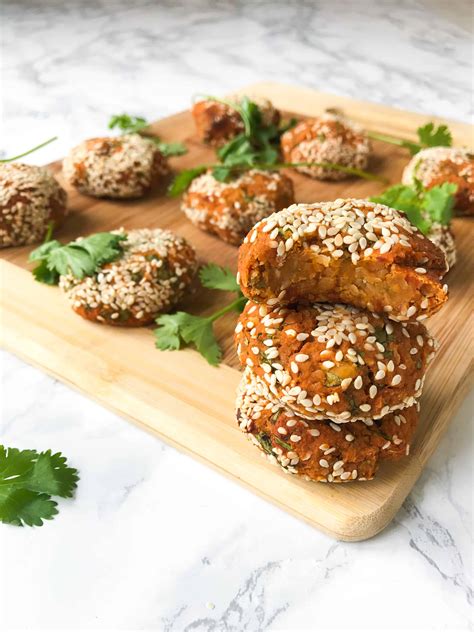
<point x="28" y="480"/>
<point x="428" y="136"/>
<point x="423" y="207"/>
<point x="80" y="258"/>
<point x="128" y="124"/>
<point x="224" y="173"/>
<point x="29" y="151"/>
<point x="182" y="329"/>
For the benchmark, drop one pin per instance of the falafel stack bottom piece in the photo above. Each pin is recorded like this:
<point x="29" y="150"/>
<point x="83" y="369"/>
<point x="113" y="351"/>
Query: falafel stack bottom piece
<point x="332" y="371"/>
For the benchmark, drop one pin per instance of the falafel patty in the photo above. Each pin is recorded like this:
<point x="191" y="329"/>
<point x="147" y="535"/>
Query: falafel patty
<point x="321" y="450"/>
<point x="217" y="123"/>
<point x="334" y="360"/>
<point x="151" y="276"/>
<point x="328" y="138"/>
<point x="435" y="165"/>
<point x="116" y="167"/>
<point x="30" y="199"/>
<point x="230" y="209"/>
<point x="347" y="251"/>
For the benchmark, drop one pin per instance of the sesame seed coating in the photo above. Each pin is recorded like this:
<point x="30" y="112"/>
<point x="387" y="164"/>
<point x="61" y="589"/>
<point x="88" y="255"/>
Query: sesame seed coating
<point x="30" y="198"/>
<point x="435" y="165"/>
<point x="357" y="365"/>
<point x="230" y="209"/>
<point x="118" y="167"/>
<point x="155" y="270"/>
<point x="328" y="138"/>
<point x="322" y="452"/>
<point x="217" y="123"/>
<point x="347" y="251"/>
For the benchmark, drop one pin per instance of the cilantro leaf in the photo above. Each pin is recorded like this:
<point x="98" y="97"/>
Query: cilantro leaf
<point x="423" y="207"/>
<point x="184" y="179"/>
<point x="218" y="278"/>
<point x="169" y="149"/>
<point x="431" y="136"/>
<point x="128" y="124"/>
<point x="438" y="202"/>
<point x="22" y="506"/>
<point x="28" y="479"/>
<point x="177" y="330"/>
<point x="79" y="258"/>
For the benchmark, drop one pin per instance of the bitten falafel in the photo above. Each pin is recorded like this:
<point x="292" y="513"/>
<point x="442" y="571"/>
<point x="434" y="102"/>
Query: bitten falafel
<point x="442" y="236"/>
<point x="150" y="277"/>
<point x="435" y="165"/>
<point x="230" y="209"/>
<point x="30" y="199"/>
<point x="347" y="251"/>
<point x="321" y="450"/>
<point x="334" y="360"/>
<point x="117" y="167"/>
<point x="217" y="123"/>
<point x="328" y="138"/>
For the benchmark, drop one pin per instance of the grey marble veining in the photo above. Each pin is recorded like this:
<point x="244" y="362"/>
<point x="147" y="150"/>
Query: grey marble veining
<point x="153" y="540"/>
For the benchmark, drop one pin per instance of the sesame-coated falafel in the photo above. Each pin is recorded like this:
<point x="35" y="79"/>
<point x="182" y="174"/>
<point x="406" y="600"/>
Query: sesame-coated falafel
<point x="230" y="209"/>
<point x="117" y="167"/>
<point x="442" y="236"/>
<point x="334" y="360"/>
<point x="150" y="277"/>
<point x="347" y="251"/>
<point x="328" y="138"/>
<point x="30" y="199"/>
<point x="217" y="122"/>
<point x="435" y="165"/>
<point x="321" y="450"/>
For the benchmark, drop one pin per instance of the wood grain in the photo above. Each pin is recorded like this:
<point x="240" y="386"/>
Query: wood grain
<point x="191" y="404"/>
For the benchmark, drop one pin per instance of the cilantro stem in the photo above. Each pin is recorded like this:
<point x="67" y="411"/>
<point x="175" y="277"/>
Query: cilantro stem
<point x="385" y="138"/>
<point x="30" y="151"/>
<point x="325" y="165"/>
<point x="228" y="308"/>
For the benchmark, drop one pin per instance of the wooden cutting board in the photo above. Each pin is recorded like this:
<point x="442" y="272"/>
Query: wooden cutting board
<point x="190" y="404"/>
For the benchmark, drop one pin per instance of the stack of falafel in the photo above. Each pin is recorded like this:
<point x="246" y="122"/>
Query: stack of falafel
<point x="332" y="339"/>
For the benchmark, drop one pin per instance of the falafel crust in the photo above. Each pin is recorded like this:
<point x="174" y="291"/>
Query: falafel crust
<point x="328" y="138"/>
<point x="155" y="270"/>
<point x="30" y="198"/>
<point x="217" y="123"/>
<point x="442" y="236"/>
<point x="347" y="251"/>
<point x="435" y="165"/>
<point x="321" y="450"/>
<point x="230" y="209"/>
<point x="115" y="167"/>
<point x="334" y="361"/>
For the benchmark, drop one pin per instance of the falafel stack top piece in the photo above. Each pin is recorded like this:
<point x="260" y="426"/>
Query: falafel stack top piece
<point x="331" y="340"/>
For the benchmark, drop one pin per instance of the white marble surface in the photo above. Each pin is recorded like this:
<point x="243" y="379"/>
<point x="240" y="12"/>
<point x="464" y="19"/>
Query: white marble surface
<point x="153" y="540"/>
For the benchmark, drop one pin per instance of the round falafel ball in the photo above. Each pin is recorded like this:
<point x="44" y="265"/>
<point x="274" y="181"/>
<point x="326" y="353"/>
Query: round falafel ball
<point x="347" y="251"/>
<point x="30" y="199"/>
<point x="328" y="138"/>
<point x="442" y="236"/>
<point x="154" y="271"/>
<point x="321" y="450"/>
<point x="435" y="165"/>
<point x="230" y="209"/>
<point x="117" y="167"/>
<point x="334" y="360"/>
<point x="217" y="123"/>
